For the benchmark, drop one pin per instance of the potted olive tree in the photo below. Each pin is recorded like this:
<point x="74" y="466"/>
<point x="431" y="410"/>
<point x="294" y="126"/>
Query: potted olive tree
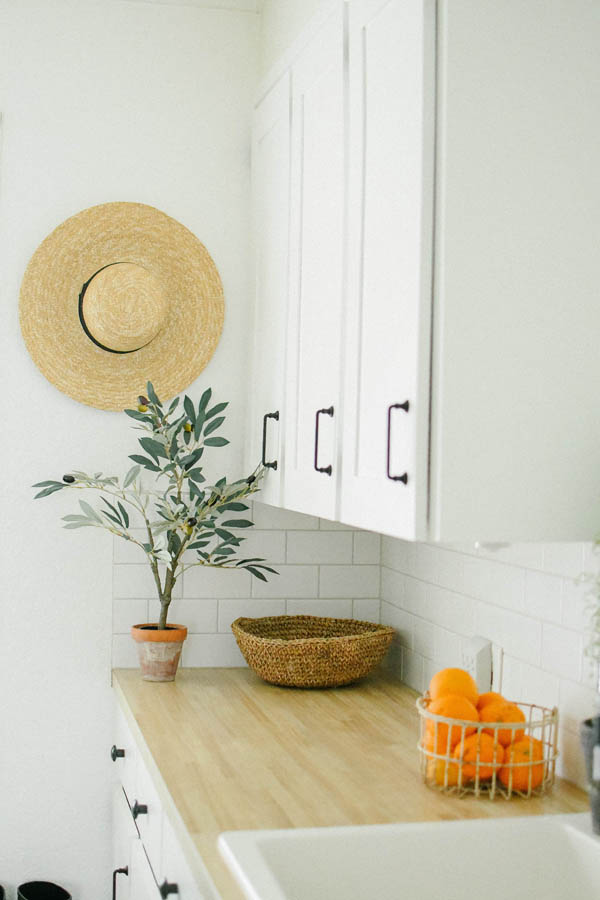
<point x="185" y="522"/>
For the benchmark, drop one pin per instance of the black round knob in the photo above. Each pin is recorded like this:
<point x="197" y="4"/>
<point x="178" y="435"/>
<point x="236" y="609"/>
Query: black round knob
<point x="166" y="889"/>
<point x="116" y="753"/>
<point x="139" y="809"/>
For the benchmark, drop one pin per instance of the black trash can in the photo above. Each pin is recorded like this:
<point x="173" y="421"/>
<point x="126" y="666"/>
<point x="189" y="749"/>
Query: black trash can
<point x="41" y="890"/>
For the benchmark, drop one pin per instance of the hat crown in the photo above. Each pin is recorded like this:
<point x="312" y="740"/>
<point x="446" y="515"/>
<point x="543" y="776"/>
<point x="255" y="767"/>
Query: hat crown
<point x="123" y="307"/>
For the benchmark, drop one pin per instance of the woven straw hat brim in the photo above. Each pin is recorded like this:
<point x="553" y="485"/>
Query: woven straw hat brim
<point x="72" y="254"/>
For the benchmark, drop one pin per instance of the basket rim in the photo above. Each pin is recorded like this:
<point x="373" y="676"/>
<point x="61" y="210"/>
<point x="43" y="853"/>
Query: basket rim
<point x="547" y="715"/>
<point x="237" y="626"/>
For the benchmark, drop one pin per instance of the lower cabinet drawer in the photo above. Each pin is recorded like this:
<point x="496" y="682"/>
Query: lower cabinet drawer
<point x="176" y="871"/>
<point x="149" y="818"/>
<point x="141" y="882"/>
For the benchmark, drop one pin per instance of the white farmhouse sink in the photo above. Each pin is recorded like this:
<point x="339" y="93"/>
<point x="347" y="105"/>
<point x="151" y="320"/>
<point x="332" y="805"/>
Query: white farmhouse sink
<point x="529" y="858"/>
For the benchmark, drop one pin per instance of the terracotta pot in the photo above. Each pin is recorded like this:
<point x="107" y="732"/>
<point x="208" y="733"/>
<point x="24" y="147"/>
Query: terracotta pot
<point x="159" y="650"/>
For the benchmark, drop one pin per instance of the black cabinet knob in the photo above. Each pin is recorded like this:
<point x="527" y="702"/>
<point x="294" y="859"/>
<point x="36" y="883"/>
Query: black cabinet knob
<point x="139" y="809"/>
<point x="166" y="889"/>
<point x="116" y="753"/>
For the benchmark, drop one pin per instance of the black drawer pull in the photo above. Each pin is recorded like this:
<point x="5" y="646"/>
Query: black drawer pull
<point x="123" y="871"/>
<point x="116" y="753"/>
<point x="166" y="889"/>
<point x="405" y="406"/>
<point x="326" y="470"/>
<point x="273" y="415"/>
<point x="139" y="809"/>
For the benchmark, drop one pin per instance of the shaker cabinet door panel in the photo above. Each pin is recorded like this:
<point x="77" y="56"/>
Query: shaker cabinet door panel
<point x="387" y="358"/>
<point x="271" y="175"/>
<point x="316" y="272"/>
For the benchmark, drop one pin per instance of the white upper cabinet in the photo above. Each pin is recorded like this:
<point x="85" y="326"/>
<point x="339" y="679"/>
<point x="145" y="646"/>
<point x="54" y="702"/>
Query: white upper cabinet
<point x="442" y="364"/>
<point x="316" y="272"/>
<point x="271" y="187"/>
<point x="515" y="441"/>
<point x="390" y="209"/>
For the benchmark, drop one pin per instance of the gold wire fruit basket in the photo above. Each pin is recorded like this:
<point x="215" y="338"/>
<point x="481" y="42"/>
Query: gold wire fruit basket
<point x="495" y="758"/>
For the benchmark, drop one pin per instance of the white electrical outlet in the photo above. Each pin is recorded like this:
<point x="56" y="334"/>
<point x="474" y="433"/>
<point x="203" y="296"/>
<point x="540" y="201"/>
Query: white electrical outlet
<point x="477" y="661"/>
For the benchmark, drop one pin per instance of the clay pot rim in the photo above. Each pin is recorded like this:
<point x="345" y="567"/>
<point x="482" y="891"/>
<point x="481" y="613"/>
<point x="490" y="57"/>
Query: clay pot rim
<point x="170" y="634"/>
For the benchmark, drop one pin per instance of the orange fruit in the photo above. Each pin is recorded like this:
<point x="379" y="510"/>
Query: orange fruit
<point x="489" y="697"/>
<point x="524" y="760"/>
<point x="455" y="682"/>
<point x="478" y="747"/>
<point x="502" y="711"/>
<point x="453" y="707"/>
<point x="436" y="771"/>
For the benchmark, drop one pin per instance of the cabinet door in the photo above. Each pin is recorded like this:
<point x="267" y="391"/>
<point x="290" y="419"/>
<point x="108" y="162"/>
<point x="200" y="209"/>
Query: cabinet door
<point x="142" y="885"/>
<point x="387" y="352"/>
<point x="270" y="183"/>
<point x="124" y="833"/>
<point x="316" y="271"/>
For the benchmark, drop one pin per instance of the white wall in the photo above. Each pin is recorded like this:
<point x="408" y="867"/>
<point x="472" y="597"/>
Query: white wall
<point x="100" y="101"/>
<point x="524" y="597"/>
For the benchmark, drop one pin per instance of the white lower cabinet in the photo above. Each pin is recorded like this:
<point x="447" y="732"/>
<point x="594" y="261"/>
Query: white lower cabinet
<point x="148" y="859"/>
<point x="142" y="884"/>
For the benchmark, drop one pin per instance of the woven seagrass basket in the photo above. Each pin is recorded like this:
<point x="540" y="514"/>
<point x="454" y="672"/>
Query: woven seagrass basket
<point x="311" y="651"/>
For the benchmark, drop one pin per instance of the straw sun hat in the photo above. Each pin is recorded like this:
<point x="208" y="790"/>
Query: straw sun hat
<point x="117" y="295"/>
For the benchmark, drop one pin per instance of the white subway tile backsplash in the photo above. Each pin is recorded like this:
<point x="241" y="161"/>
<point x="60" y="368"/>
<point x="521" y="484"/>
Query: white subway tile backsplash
<point x="451" y="610"/>
<point x="577" y="702"/>
<point x="562" y="652"/>
<point x="230" y="610"/>
<point x="446" y="647"/>
<point x="450" y="570"/>
<point x="292" y="581"/>
<point x="423" y="640"/>
<point x="564" y="559"/>
<point x="402" y="621"/>
<point x="128" y="611"/>
<point x="543" y="596"/>
<point x="270" y="545"/>
<point x="330" y="525"/>
<point x="316" y="547"/>
<point x="204" y="581"/>
<point x="337" y="608"/>
<point x="413" y="670"/>
<point x="127" y="551"/>
<point x="366" y="548"/>
<point x="211" y="650"/>
<point x="393" y="586"/>
<point x="133" y="580"/>
<point x="398" y="555"/>
<point x="518" y="635"/>
<point x="271" y="517"/>
<point x="349" y="581"/>
<point x="199" y="615"/>
<point x="367" y="609"/>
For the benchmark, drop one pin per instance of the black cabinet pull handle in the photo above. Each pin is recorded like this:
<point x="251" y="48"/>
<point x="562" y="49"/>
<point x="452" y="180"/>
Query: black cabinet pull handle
<point x="116" y="753"/>
<point x="273" y="415"/>
<point x="166" y="889"/>
<point x="321" y="412"/>
<point x="123" y="871"/>
<point x="405" y="406"/>
<point x="139" y="809"/>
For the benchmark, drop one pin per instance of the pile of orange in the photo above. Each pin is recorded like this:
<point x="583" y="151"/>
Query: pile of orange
<point x="470" y="751"/>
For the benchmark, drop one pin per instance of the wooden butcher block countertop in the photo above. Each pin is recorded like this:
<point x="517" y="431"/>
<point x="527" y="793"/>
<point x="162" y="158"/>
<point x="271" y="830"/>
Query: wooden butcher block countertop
<point x="232" y="752"/>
